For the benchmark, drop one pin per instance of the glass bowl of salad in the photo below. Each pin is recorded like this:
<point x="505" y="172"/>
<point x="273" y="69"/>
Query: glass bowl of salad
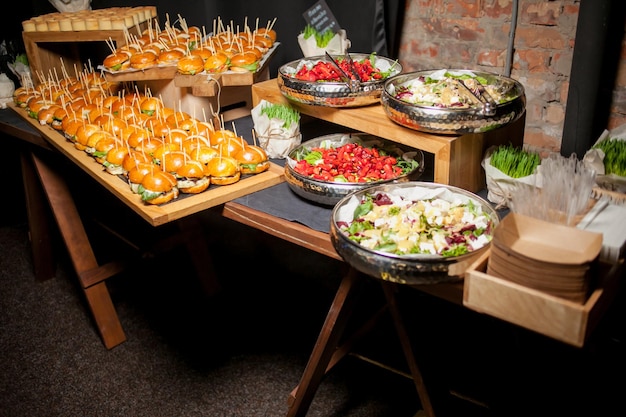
<point x="326" y="169"/>
<point x="350" y="81"/>
<point x="453" y="101"/>
<point x="412" y="232"/>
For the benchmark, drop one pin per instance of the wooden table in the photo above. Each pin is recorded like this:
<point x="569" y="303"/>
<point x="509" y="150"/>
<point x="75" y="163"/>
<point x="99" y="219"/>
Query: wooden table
<point x="457" y="158"/>
<point x="47" y="191"/>
<point x="327" y="350"/>
<point x="333" y="343"/>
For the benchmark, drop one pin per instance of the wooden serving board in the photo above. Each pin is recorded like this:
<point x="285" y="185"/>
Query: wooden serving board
<point x="204" y="82"/>
<point x="564" y="320"/>
<point x="183" y="206"/>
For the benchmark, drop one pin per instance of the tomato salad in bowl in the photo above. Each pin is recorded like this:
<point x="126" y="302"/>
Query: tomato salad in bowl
<point x="326" y="169"/>
<point x="346" y="82"/>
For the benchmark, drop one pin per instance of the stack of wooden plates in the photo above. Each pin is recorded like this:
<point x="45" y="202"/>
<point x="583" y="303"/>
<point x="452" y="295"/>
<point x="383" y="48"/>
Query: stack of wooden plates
<point x="552" y="258"/>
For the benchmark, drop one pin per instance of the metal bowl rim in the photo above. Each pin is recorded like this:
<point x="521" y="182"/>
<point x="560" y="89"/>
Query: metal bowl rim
<point x="413" y="257"/>
<point x="319" y="139"/>
<point x="474" y="109"/>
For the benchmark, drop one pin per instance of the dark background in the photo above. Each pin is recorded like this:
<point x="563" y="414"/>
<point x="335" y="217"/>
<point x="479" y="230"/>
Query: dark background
<point x="359" y="19"/>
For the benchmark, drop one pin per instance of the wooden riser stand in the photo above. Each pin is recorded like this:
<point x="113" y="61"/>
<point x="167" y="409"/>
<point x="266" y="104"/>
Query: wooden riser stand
<point x="49" y="52"/>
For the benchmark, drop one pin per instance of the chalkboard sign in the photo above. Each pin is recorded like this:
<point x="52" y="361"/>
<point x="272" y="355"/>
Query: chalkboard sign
<point x="321" y="18"/>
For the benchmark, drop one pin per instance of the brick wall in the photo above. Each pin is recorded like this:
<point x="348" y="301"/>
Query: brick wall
<point x="475" y="33"/>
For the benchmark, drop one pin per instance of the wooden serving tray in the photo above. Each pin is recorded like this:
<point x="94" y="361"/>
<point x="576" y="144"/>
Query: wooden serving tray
<point x="552" y="316"/>
<point x="203" y="82"/>
<point x="183" y="206"/>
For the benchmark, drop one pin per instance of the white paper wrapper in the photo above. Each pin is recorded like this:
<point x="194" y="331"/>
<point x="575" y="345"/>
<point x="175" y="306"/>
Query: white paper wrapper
<point x="338" y="45"/>
<point x="500" y="186"/>
<point x="276" y="139"/>
<point x="594" y="158"/>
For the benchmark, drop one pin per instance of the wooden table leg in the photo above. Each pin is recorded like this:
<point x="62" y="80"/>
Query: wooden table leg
<point x="91" y="275"/>
<point x="38" y="215"/>
<point x="200" y="254"/>
<point x="326" y="344"/>
<point x="390" y="290"/>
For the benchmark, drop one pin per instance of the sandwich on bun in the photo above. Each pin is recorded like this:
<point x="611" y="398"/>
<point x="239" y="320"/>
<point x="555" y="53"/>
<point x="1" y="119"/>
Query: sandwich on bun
<point x="192" y="178"/>
<point x="252" y="160"/>
<point x="170" y="56"/>
<point x="223" y="170"/>
<point x="46" y="114"/>
<point x="136" y="173"/>
<point x="216" y="63"/>
<point x="57" y="118"/>
<point x="244" y="61"/>
<point x="99" y="144"/>
<point x="143" y="60"/>
<point x="190" y="65"/>
<point x="134" y="159"/>
<point x="117" y="61"/>
<point x="158" y="187"/>
<point x="83" y="133"/>
<point x="150" y="105"/>
<point x="114" y="159"/>
<point x="171" y="161"/>
<point x="203" y="154"/>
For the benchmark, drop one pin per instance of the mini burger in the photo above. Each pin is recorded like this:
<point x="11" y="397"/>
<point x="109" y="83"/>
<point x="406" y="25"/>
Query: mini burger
<point x="159" y="153"/>
<point x="266" y="32"/>
<point x="136" y="173"/>
<point x="171" y="161"/>
<point x="223" y="170"/>
<point x="203" y="53"/>
<point x="102" y="146"/>
<point x="117" y="61"/>
<point x="114" y="159"/>
<point x="192" y="178"/>
<point x="70" y="125"/>
<point x="150" y="105"/>
<point x="218" y="136"/>
<point x="57" y="118"/>
<point x="252" y="160"/>
<point x="231" y="146"/>
<point x="216" y="63"/>
<point x="135" y="158"/>
<point x="143" y="60"/>
<point x="158" y="187"/>
<point x="170" y="56"/>
<point x="35" y="105"/>
<point x="203" y="154"/>
<point x="83" y="133"/>
<point x="190" y="65"/>
<point x="45" y="116"/>
<point x="244" y="61"/>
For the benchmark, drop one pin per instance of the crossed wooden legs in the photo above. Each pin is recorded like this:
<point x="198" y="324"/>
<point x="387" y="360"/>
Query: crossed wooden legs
<point x="42" y="180"/>
<point x="327" y="352"/>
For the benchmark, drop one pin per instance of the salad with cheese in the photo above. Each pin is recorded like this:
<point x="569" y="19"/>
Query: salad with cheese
<point x="448" y="89"/>
<point x="432" y="226"/>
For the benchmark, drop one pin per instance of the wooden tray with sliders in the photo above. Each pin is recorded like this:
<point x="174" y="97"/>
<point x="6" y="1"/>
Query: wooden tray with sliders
<point x="156" y="215"/>
<point x="228" y="40"/>
<point x="169" y="72"/>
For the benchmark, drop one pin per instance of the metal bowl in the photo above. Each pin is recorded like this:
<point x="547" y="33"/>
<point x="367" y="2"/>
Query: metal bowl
<point x="333" y="94"/>
<point x="329" y="193"/>
<point x="485" y="113"/>
<point x="413" y="269"/>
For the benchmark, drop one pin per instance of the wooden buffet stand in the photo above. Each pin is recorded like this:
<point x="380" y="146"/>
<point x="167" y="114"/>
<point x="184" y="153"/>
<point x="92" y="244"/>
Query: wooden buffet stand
<point x="457" y="162"/>
<point x="42" y="178"/>
<point x="457" y="158"/>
